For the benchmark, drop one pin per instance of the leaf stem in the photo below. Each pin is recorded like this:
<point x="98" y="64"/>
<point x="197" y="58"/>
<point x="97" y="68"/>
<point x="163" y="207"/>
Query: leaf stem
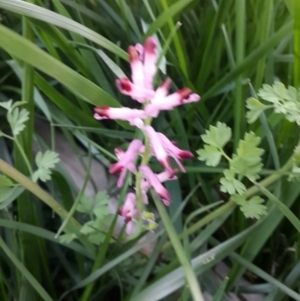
<point x="185" y="263"/>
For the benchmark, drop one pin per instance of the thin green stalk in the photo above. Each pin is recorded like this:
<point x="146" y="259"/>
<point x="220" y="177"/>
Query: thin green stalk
<point x="81" y="192"/>
<point x="239" y="126"/>
<point x="296" y="43"/>
<point x="179" y="250"/>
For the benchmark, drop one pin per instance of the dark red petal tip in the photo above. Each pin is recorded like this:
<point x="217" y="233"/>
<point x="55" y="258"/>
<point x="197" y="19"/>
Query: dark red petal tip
<point x="124" y="84"/>
<point x="184" y="93"/>
<point x="185" y="155"/>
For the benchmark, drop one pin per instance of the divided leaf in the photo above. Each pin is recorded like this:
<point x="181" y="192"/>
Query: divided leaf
<point x="6" y="104"/>
<point x="17" y="119"/>
<point x="231" y="185"/>
<point x="284" y="101"/>
<point x="247" y="161"/>
<point x="210" y="154"/>
<point x="218" y="135"/>
<point x="252" y="208"/>
<point x="255" y="108"/>
<point x="44" y="163"/>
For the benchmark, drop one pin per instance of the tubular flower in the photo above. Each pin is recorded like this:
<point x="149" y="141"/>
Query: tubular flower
<point x="157" y="147"/>
<point x="129" y="211"/>
<point x="173" y="151"/>
<point x="126" y="160"/>
<point x="119" y="113"/>
<point x="126" y="87"/>
<point x="149" y="62"/>
<point x="161" y="103"/>
<point x="154" y="182"/>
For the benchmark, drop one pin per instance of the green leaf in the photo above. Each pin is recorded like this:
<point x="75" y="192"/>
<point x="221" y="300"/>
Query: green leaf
<point x="255" y="108"/>
<point x="85" y="205"/>
<point x="6" y="104"/>
<point x="5" y="181"/>
<point x="210" y="154"/>
<point x="218" y="135"/>
<point x="231" y="185"/>
<point x="252" y="208"/>
<point x="247" y="161"/>
<point x="17" y="119"/>
<point x="273" y="94"/>
<point x="67" y="238"/>
<point x="284" y="101"/>
<point x="44" y="163"/>
<point x="101" y="205"/>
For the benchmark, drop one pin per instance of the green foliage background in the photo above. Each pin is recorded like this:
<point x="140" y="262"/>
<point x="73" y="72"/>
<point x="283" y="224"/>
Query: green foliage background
<point x="61" y="57"/>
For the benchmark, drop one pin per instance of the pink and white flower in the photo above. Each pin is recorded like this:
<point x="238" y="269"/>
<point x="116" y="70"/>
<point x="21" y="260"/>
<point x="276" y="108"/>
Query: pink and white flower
<point x="135" y="91"/>
<point x="162" y="103"/>
<point x="164" y="176"/>
<point x="154" y="182"/>
<point x="126" y="160"/>
<point x="119" y="113"/>
<point x="157" y="147"/>
<point x="173" y="151"/>
<point x="129" y="211"/>
<point x="149" y="62"/>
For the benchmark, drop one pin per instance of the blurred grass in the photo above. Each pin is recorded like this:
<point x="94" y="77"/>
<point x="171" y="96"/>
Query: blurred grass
<point x="66" y="56"/>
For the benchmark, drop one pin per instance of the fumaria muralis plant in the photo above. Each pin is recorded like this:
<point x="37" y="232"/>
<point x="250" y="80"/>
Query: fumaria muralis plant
<point x="143" y="69"/>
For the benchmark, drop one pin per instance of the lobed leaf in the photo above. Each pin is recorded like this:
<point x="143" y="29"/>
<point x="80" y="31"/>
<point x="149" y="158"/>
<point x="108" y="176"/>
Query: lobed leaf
<point x="255" y="108"/>
<point x="217" y="135"/>
<point x="231" y="185"/>
<point x="44" y="163"/>
<point x="210" y="154"/>
<point x="17" y="119"/>
<point x="247" y="161"/>
<point x="252" y="208"/>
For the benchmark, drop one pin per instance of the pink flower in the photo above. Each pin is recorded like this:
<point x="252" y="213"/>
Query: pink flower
<point x="135" y="91"/>
<point x="157" y="147"/>
<point x="149" y="62"/>
<point x="154" y="182"/>
<point x="137" y="70"/>
<point x="126" y="160"/>
<point x="119" y="113"/>
<point x="129" y="211"/>
<point x="173" y="151"/>
<point x="161" y="103"/>
<point x="164" y="176"/>
<point x="143" y="68"/>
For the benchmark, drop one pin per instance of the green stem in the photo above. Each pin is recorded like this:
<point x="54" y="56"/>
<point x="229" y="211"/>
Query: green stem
<point x="185" y="263"/>
<point x="240" y="49"/>
<point x="21" y="150"/>
<point x="139" y="200"/>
